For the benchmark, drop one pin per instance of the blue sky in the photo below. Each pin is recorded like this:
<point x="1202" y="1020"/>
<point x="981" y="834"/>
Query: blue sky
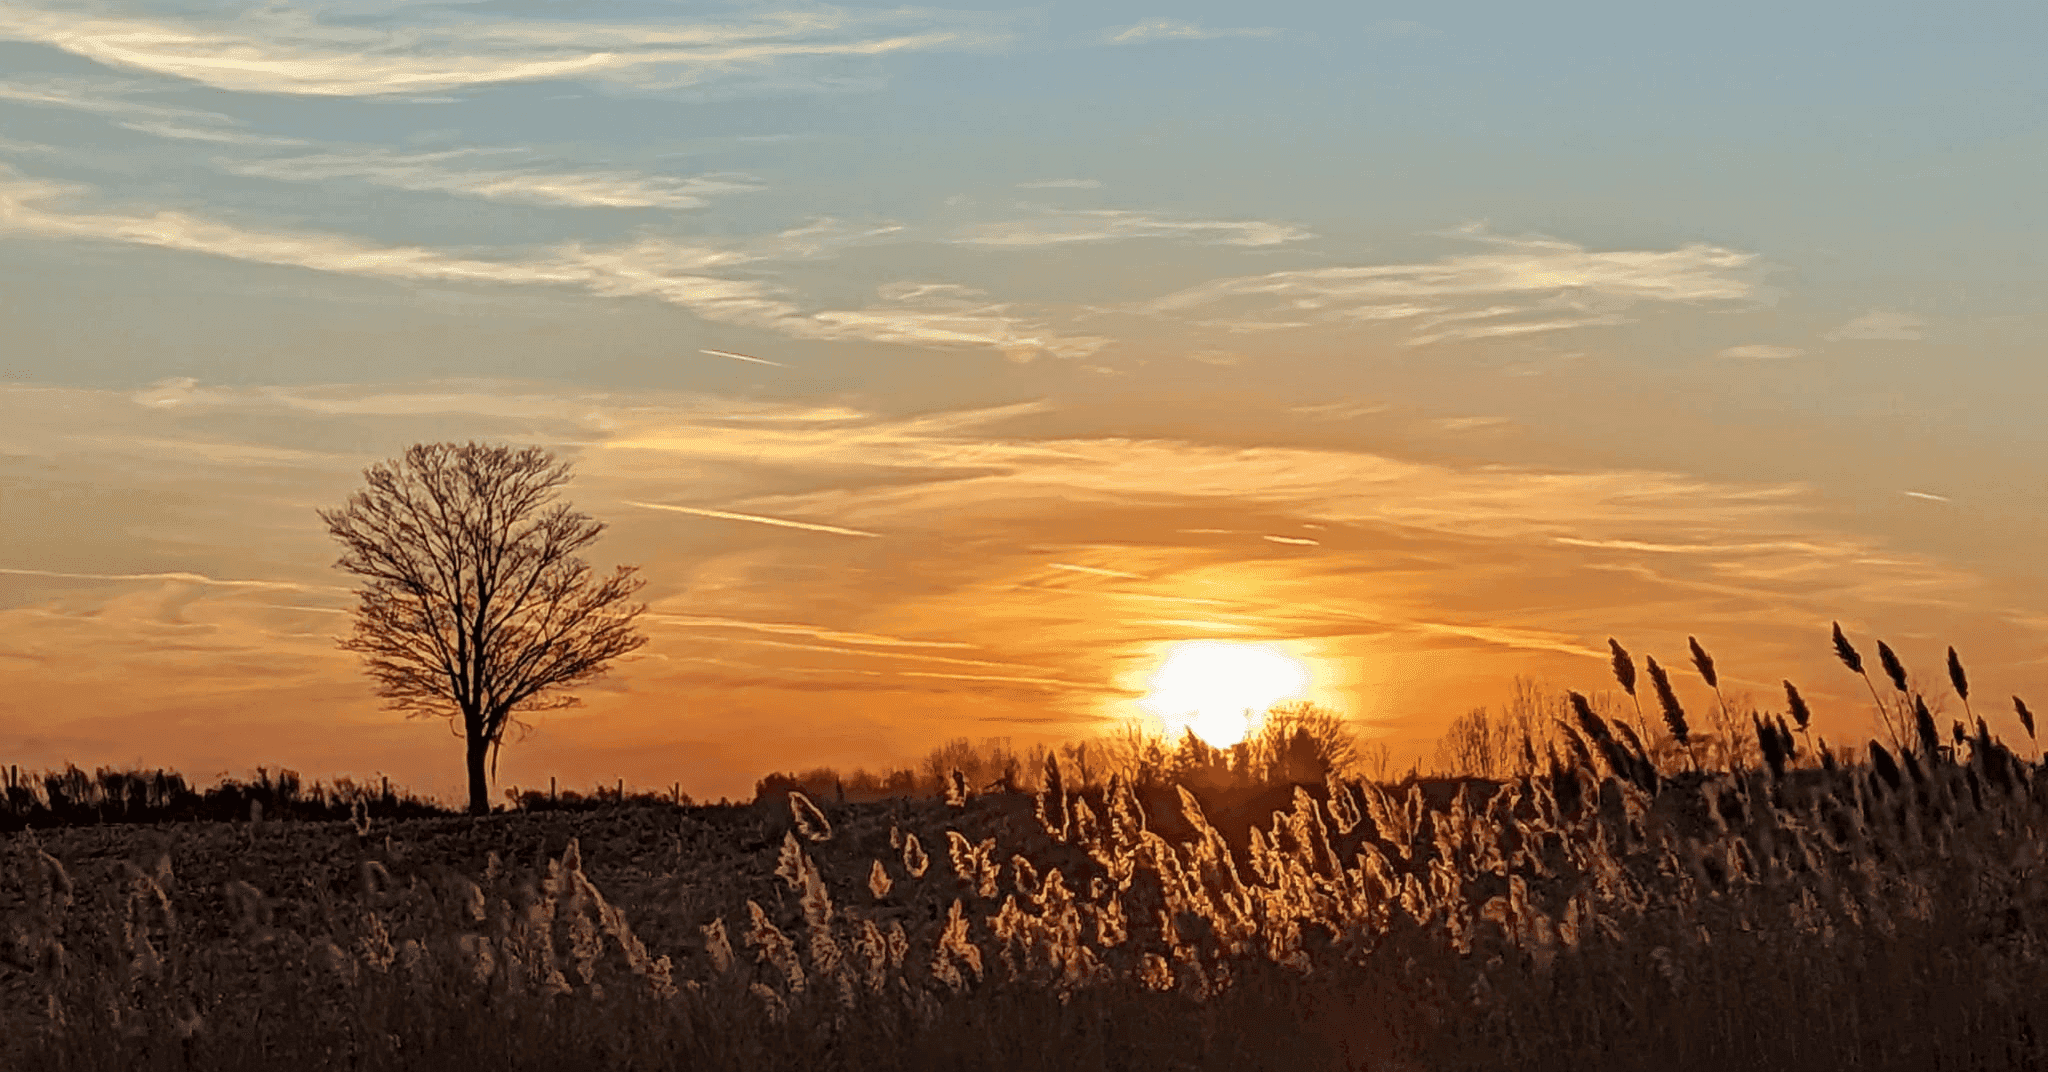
<point x="1457" y="338"/>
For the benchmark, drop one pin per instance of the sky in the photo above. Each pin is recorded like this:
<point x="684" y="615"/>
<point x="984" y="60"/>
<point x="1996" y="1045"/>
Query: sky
<point x="944" y="370"/>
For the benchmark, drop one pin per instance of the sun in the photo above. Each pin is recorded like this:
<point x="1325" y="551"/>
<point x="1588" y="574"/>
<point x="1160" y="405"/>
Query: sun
<point x="1216" y="688"/>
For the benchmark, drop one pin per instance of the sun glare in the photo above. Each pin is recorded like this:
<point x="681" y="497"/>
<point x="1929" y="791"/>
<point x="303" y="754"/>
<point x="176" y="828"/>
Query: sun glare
<point x="1217" y="688"/>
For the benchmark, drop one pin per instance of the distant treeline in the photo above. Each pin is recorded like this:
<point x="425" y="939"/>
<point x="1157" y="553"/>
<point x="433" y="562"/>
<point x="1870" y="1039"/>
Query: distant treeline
<point x="71" y="797"/>
<point x="1297" y="744"/>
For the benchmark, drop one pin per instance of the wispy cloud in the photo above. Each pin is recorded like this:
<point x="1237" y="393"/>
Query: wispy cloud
<point x="1111" y="225"/>
<point x="1177" y="30"/>
<point x="1700" y="548"/>
<point x="839" y="636"/>
<point x="181" y="577"/>
<point x="1061" y="184"/>
<point x="289" y="50"/>
<point x="1761" y="352"/>
<point x="947" y="314"/>
<point x="433" y="172"/>
<point x="208" y="134"/>
<point x="916" y="314"/>
<point x="1472" y="424"/>
<point x="1926" y="495"/>
<point x="116" y="99"/>
<point x="1010" y="679"/>
<point x="1529" y="285"/>
<point x="1402" y="28"/>
<point x="1340" y="411"/>
<point x="28" y="148"/>
<point x="102" y="96"/>
<point x="1881" y="325"/>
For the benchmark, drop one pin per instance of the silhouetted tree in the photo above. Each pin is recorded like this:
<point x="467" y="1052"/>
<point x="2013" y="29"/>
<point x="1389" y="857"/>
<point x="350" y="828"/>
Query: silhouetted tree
<point x="1473" y="744"/>
<point x="477" y="605"/>
<point x="1301" y="741"/>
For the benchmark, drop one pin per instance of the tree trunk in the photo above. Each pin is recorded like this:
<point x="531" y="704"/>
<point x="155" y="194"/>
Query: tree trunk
<point x="479" y="789"/>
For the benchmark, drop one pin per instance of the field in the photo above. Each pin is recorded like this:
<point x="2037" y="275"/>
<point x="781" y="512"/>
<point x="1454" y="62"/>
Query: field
<point x="1594" y="914"/>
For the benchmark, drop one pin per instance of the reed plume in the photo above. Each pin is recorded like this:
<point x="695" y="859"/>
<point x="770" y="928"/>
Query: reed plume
<point x="1800" y="715"/>
<point x="1705" y="664"/>
<point x="1674" y="715"/>
<point x="1854" y="661"/>
<point x="1961" y="683"/>
<point x="1625" y="674"/>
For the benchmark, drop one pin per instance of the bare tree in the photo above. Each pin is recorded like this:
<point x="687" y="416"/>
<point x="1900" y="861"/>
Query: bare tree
<point x="1374" y="759"/>
<point x="477" y="606"/>
<point x="1301" y="741"/>
<point x="1472" y="745"/>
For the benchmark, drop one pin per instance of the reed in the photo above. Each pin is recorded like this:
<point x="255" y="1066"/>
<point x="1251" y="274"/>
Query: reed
<point x="1878" y="915"/>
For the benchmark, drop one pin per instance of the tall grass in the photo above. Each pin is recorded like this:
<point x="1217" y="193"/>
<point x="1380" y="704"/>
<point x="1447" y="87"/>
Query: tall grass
<point x="1603" y="910"/>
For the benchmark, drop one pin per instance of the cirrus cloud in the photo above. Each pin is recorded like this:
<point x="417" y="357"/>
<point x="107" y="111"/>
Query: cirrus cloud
<point x="1757" y="351"/>
<point x="1113" y="225"/>
<point x="1177" y="30"/>
<point x="430" y="172"/>
<point x="275" y="49"/>
<point x="682" y="274"/>
<point x="1525" y="286"/>
<point x="1882" y="325"/>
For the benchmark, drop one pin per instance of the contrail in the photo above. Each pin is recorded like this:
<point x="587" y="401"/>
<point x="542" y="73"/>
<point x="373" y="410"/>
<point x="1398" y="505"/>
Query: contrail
<point x="807" y="630"/>
<point x="743" y="357"/>
<point x="1925" y="495"/>
<point x="754" y="517"/>
<point x="190" y="578"/>
<point x="1093" y="569"/>
<point x="1303" y="541"/>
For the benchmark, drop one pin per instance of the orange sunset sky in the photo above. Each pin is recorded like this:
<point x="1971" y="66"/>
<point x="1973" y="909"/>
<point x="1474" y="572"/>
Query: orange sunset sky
<point x="942" y="369"/>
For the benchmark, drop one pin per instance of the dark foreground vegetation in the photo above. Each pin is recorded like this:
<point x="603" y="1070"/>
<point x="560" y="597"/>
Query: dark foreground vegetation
<point x="1609" y="899"/>
<point x="1594" y="915"/>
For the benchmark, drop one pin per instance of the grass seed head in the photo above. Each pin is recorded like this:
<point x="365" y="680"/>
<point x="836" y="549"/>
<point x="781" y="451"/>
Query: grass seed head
<point x="915" y="861"/>
<point x="60" y="890"/>
<point x="1955" y="675"/>
<point x="810" y="822"/>
<point x="2026" y="716"/>
<point x="956" y="789"/>
<point x="775" y="947"/>
<point x="1847" y="653"/>
<point x="1923" y="727"/>
<point x="1704" y="662"/>
<point x="1674" y="715"/>
<point x="1624" y="667"/>
<point x="1892" y="667"/>
<point x="1793" y="700"/>
<point x="791" y="865"/>
<point x="718" y="945"/>
<point x="816" y="900"/>
<point x="376" y="879"/>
